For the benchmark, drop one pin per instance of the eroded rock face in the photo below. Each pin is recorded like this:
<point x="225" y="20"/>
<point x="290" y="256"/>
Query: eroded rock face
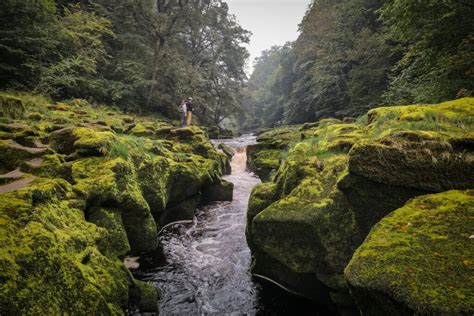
<point x="82" y="190"/>
<point x="419" y="259"/>
<point x="264" y="158"/>
<point x="343" y="178"/>
<point x="51" y="261"/>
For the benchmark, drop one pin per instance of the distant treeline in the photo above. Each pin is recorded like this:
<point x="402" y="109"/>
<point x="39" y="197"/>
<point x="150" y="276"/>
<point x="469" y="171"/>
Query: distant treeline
<point x="353" y="55"/>
<point x="141" y="55"/>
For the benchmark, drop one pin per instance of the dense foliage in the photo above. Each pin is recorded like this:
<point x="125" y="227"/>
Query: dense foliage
<point x="140" y="55"/>
<point x="355" y="55"/>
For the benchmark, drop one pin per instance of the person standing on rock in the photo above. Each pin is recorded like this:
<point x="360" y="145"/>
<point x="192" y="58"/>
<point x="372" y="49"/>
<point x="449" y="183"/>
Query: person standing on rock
<point x="183" y="109"/>
<point x="189" y="110"/>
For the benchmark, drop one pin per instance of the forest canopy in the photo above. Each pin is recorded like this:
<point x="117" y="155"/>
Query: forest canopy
<point x="140" y="55"/>
<point x="353" y="55"/>
<point x="147" y="55"/>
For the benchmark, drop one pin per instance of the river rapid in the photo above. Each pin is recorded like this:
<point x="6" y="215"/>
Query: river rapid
<point x="203" y="266"/>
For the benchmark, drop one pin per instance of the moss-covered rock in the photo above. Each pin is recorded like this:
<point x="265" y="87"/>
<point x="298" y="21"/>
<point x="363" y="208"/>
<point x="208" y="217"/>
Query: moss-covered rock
<point x="341" y="178"/>
<point x="181" y="211"/>
<point x="419" y="259"/>
<point x="11" y="107"/>
<point x="13" y="154"/>
<point x="93" y="143"/>
<point x="81" y="188"/>
<point x="222" y="191"/>
<point x="264" y="157"/>
<point x="226" y="150"/>
<point x="112" y="183"/>
<point x="145" y="296"/>
<point x="115" y="244"/>
<point x="50" y="262"/>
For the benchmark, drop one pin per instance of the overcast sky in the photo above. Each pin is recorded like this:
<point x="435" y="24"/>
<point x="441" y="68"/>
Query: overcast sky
<point x="272" y="22"/>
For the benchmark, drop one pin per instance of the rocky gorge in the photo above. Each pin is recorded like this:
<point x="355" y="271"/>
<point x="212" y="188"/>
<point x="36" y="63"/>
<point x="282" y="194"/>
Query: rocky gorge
<point x="83" y="186"/>
<point x="370" y="215"/>
<point x="374" y="215"/>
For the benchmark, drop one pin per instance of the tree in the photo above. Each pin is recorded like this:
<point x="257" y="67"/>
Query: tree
<point x="438" y="61"/>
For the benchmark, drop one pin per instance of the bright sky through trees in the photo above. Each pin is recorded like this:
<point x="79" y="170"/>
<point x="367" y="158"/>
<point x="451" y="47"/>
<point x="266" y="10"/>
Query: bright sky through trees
<point x="272" y="22"/>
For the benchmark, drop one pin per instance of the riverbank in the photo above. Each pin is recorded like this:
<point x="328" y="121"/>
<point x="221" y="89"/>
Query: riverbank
<point x="320" y="223"/>
<point x="83" y="186"/>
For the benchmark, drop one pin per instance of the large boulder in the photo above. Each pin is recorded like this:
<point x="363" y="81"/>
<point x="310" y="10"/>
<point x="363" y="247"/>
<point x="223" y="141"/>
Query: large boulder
<point x="221" y="191"/>
<point x="113" y="183"/>
<point x="50" y="261"/>
<point x="86" y="141"/>
<point x="331" y="188"/>
<point x="415" y="159"/>
<point x="419" y="259"/>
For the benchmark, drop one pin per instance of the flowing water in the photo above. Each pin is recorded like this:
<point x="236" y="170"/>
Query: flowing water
<point x="203" y="266"/>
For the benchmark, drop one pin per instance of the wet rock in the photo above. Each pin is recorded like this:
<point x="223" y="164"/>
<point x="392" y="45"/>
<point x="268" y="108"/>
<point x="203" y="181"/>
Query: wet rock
<point x="229" y="151"/>
<point x="182" y="211"/>
<point x="145" y="296"/>
<point x="222" y="191"/>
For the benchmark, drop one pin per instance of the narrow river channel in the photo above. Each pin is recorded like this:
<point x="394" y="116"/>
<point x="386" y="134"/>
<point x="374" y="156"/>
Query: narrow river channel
<point x="204" y="266"/>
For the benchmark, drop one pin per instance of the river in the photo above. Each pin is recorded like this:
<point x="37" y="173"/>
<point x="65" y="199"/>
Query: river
<point x="203" y="266"/>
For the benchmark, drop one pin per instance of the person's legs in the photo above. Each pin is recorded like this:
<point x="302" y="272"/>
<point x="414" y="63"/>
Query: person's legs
<point x="190" y="117"/>
<point x="183" y="119"/>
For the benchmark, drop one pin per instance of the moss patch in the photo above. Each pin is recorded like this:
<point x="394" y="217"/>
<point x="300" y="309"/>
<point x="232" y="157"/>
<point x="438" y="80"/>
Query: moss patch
<point x="421" y="256"/>
<point x="95" y="183"/>
<point x="335" y="180"/>
<point x="50" y="260"/>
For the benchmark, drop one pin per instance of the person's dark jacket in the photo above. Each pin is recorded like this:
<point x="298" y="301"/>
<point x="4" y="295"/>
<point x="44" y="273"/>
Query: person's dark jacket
<point x="189" y="106"/>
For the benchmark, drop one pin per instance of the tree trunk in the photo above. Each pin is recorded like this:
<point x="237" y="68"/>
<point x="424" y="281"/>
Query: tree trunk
<point x="156" y="62"/>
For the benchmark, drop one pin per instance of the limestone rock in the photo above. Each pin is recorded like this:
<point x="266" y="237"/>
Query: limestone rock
<point x="222" y="191"/>
<point x="419" y="259"/>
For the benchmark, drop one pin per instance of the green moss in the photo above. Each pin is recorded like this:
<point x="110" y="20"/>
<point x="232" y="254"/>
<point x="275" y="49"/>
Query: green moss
<point x="60" y="263"/>
<point x="264" y="162"/>
<point x="145" y="296"/>
<point x="11" y="106"/>
<point x="421" y="256"/>
<point x="454" y="117"/>
<point x="93" y="142"/>
<point x="141" y="130"/>
<point x="115" y="244"/>
<point x="340" y="179"/>
<point x="49" y="258"/>
<point x="113" y="182"/>
<point x="414" y="160"/>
